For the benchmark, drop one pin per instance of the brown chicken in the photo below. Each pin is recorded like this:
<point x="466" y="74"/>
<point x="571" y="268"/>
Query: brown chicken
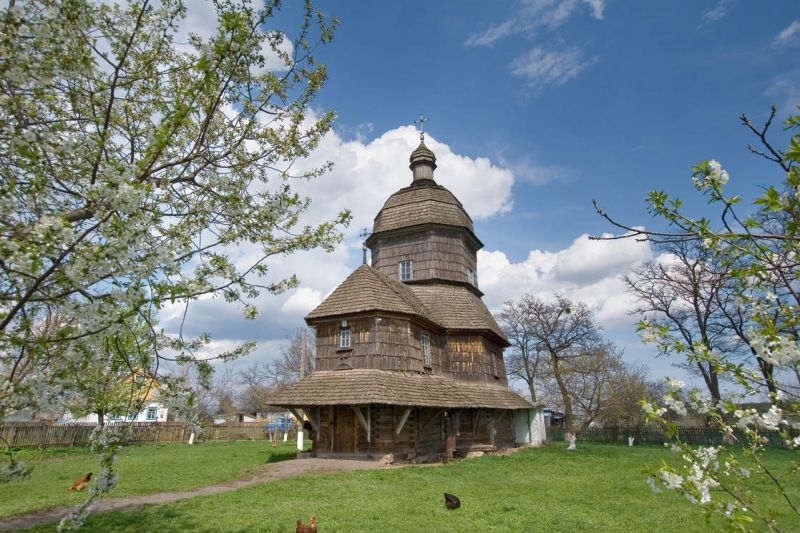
<point x="311" y="527"/>
<point x="80" y="483"/>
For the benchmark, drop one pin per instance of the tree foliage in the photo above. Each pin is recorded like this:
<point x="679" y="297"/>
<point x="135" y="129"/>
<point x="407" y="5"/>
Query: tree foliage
<point x="760" y="252"/>
<point x="135" y="158"/>
<point x="558" y="351"/>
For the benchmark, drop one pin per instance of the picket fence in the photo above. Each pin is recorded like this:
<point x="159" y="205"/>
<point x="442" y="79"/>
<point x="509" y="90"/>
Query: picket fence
<point x="49" y="435"/>
<point x="654" y="434"/>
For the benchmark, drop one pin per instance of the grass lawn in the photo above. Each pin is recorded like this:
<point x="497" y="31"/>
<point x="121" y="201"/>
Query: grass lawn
<point x="597" y="488"/>
<point x="143" y="469"/>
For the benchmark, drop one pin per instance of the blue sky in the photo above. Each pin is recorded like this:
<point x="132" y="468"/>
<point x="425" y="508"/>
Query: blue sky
<point x="660" y="89"/>
<point x="536" y="107"/>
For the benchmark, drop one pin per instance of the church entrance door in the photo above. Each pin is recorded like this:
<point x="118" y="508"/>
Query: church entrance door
<point x="344" y="434"/>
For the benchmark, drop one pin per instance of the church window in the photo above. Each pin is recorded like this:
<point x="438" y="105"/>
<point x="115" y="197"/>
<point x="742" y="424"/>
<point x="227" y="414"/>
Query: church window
<point x="426" y="351"/>
<point x="405" y="270"/>
<point x="470" y="276"/>
<point x="494" y="364"/>
<point x="344" y="338"/>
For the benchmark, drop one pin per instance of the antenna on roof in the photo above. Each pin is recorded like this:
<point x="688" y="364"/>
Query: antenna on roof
<point x="364" y="234"/>
<point x="422" y="120"/>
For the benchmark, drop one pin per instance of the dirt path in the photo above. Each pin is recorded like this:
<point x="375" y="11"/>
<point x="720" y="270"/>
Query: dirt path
<point x="272" y="472"/>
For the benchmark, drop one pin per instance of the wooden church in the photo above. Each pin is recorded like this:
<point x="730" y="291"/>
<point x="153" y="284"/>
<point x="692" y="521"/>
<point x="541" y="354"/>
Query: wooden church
<point x="409" y="361"/>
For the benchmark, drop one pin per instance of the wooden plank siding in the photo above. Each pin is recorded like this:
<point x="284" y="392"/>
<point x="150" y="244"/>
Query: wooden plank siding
<point x="436" y="253"/>
<point x="469" y="359"/>
<point x="391" y="343"/>
<point x="386" y="343"/>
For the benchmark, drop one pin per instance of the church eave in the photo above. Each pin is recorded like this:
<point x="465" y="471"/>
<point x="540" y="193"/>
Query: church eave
<point x="416" y="228"/>
<point x="374" y="313"/>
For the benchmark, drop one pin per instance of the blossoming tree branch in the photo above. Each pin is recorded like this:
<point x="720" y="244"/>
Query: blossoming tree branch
<point x="134" y="158"/>
<point x="748" y="264"/>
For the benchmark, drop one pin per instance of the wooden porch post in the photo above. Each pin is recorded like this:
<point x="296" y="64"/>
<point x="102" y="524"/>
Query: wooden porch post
<point x="450" y="436"/>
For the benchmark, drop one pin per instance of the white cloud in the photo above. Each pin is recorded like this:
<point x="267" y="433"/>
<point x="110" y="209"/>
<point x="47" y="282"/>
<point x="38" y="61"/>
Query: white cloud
<point x="493" y="33"/>
<point x="365" y="174"/>
<point x="788" y="35"/>
<point x="540" y="67"/>
<point x="531" y="16"/>
<point x="588" y="270"/>
<point x="712" y="15"/>
<point x="302" y="300"/>
<point x="784" y="92"/>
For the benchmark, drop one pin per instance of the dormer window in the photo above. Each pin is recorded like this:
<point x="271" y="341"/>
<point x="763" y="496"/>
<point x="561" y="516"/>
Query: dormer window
<point x="426" y="351"/>
<point x="470" y="276"/>
<point x="344" y="336"/>
<point x="405" y="270"/>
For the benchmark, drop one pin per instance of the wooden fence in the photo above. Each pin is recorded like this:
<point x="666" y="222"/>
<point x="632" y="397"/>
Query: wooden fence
<point x="654" y="434"/>
<point x="49" y="435"/>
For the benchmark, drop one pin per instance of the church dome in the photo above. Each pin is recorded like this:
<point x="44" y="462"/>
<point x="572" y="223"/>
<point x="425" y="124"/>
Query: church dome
<point x="419" y="203"/>
<point x="423" y="202"/>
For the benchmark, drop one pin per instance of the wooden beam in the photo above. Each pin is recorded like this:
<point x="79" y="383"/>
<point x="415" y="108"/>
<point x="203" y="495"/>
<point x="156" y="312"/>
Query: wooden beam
<point x="475" y="420"/>
<point x="364" y="421"/>
<point x="298" y="415"/>
<point x="402" y="422"/>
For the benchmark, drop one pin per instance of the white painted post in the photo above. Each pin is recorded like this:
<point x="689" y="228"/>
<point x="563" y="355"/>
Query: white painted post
<point x="300" y="431"/>
<point x="286" y="427"/>
<point x="191" y="438"/>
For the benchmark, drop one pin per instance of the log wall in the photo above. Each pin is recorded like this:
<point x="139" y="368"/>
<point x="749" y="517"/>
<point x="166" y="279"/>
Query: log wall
<point x="422" y="437"/>
<point x="436" y="254"/>
<point x="469" y="358"/>
<point x="385" y="343"/>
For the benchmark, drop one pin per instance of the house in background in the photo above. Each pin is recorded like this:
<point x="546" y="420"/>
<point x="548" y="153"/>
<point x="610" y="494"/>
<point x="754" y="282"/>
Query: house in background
<point x="152" y="410"/>
<point x="240" y="417"/>
<point x="409" y="361"/>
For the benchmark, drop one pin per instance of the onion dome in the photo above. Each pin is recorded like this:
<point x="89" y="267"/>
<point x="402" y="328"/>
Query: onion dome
<point x="423" y="163"/>
<point x="423" y="202"/>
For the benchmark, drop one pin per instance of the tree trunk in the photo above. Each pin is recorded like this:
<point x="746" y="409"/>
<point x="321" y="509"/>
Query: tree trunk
<point x="101" y="418"/>
<point x="532" y="390"/>
<point x="562" y="387"/>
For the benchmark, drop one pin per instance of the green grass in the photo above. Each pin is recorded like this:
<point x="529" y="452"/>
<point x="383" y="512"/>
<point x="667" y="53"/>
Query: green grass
<point x="597" y="488"/>
<point x="143" y="470"/>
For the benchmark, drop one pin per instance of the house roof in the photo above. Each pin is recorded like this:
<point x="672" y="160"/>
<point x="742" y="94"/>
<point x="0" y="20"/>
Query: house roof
<point x="456" y="307"/>
<point x="423" y="202"/>
<point x="365" y="386"/>
<point x="366" y="289"/>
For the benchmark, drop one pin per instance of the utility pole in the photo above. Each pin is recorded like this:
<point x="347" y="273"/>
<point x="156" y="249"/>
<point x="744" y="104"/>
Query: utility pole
<point x="302" y="375"/>
<point x="302" y="353"/>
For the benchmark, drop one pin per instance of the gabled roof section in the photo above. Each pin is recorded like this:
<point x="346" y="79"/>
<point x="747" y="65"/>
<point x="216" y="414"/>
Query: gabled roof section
<point x="366" y="289"/>
<point x="456" y="307"/>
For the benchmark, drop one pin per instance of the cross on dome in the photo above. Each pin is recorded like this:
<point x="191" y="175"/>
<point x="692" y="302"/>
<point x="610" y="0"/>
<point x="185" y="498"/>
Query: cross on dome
<point x="422" y="120"/>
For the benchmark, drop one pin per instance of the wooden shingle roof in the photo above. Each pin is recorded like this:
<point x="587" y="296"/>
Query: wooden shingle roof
<point x="421" y="203"/>
<point x="365" y="386"/>
<point x="367" y="289"/>
<point x="456" y="307"/>
<point x="452" y="307"/>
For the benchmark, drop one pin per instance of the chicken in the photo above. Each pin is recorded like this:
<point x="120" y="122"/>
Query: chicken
<point x="310" y="528"/>
<point x="451" y="501"/>
<point x="80" y="483"/>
